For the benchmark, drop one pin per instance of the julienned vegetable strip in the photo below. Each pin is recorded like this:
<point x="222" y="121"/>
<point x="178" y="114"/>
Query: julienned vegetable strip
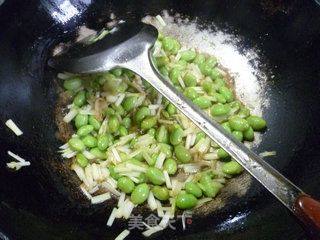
<point x="131" y="143"/>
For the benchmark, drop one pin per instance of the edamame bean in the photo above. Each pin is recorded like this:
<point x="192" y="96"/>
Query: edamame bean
<point x="199" y="136"/>
<point x="162" y="61"/>
<point x="222" y="153"/>
<point x="129" y="103"/>
<point x="81" y="120"/>
<point x="126" y="122"/>
<point x="219" y="97"/>
<point x="190" y="80"/>
<point x="215" y="74"/>
<point x="199" y="59"/>
<point x="171" y="109"/>
<point x="89" y="141"/>
<point x="227" y="93"/>
<point x="80" y="99"/>
<point x="155" y="176"/>
<point x="202" y="102"/>
<point x="191" y="93"/>
<point x="82" y="160"/>
<point x="205" y="69"/>
<point x="211" y="62"/>
<point x="166" y="149"/>
<point x="238" y="135"/>
<point x="113" y="173"/>
<point x="257" y="123"/>
<point x="193" y="189"/>
<point x="226" y="126"/>
<point x="220" y="110"/>
<point x="104" y="141"/>
<point x="232" y="168"/>
<point x="182" y="154"/>
<point x="176" y="136"/>
<point x="210" y="189"/>
<point x="167" y="44"/>
<point x="170" y="166"/>
<point x="176" y="47"/>
<point x="164" y="71"/>
<point x="244" y="112"/>
<point x="117" y="72"/>
<point x="208" y="86"/>
<point x="119" y="110"/>
<point x="162" y="134"/>
<point x="123" y="131"/>
<point x="148" y="122"/>
<point x="109" y="112"/>
<point x="140" y="193"/>
<point x="113" y="124"/>
<point x="72" y="84"/>
<point x="125" y="184"/>
<point x="238" y="123"/>
<point x="142" y="113"/>
<point x="186" y="201"/>
<point x="152" y="132"/>
<point x="161" y="193"/>
<point x="94" y="122"/>
<point x="76" y="144"/>
<point x="85" y="130"/>
<point x="174" y="75"/>
<point x="188" y="55"/>
<point x="97" y="153"/>
<point x="248" y="134"/>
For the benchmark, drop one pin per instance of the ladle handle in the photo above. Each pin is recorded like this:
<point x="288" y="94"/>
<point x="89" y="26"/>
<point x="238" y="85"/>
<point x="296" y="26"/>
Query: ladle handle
<point x="282" y="188"/>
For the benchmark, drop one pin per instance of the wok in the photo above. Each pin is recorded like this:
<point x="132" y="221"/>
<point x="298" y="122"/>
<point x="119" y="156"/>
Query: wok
<point x="40" y="201"/>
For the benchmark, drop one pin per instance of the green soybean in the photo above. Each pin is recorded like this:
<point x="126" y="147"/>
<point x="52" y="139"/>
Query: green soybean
<point x="205" y="69"/>
<point x="199" y="136"/>
<point x="219" y="110"/>
<point x="188" y="55"/>
<point x="232" y="168"/>
<point x="170" y="165"/>
<point x="226" y="126"/>
<point x="125" y="184"/>
<point x="222" y="153"/>
<point x="168" y="43"/>
<point x="155" y="176"/>
<point x="238" y="135"/>
<point x="141" y="114"/>
<point x="210" y="188"/>
<point x="140" y="193"/>
<point x="126" y="122"/>
<point x="182" y="154"/>
<point x="199" y="59"/>
<point x="81" y="120"/>
<point x="191" y="93"/>
<point x="161" y="61"/>
<point x="202" y="102"/>
<point x="176" y="136"/>
<point x="152" y="132"/>
<point x="123" y="131"/>
<point x="208" y="86"/>
<point x="215" y="74"/>
<point x="248" y="134"/>
<point x="89" y="141"/>
<point x="76" y="144"/>
<point x="186" y="201"/>
<point x="238" y="123"/>
<point x="142" y="178"/>
<point x="119" y="110"/>
<point x="97" y="153"/>
<point x="94" y="122"/>
<point x="212" y="62"/>
<point x="193" y="189"/>
<point x="161" y="193"/>
<point x="176" y="47"/>
<point x="85" y="130"/>
<point x="227" y="93"/>
<point x="109" y="112"/>
<point x="113" y="124"/>
<point x="166" y="149"/>
<point x="113" y="173"/>
<point x="117" y="72"/>
<point x="257" y="123"/>
<point x="81" y="160"/>
<point x="80" y="99"/>
<point x="219" y="97"/>
<point x="174" y="75"/>
<point x="171" y="109"/>
<point x="104" y="141"/>
<point x="162" y="135"/>
<point x="190" y="80"/>
<point x="244" y="112"/>
<point x="129" y="103"/>
<point x="148" y="122"/>
<point x="72" y="84"/>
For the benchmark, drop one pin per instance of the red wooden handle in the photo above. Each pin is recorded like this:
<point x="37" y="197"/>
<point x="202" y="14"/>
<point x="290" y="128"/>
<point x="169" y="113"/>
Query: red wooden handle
<point x="307" y="210"/>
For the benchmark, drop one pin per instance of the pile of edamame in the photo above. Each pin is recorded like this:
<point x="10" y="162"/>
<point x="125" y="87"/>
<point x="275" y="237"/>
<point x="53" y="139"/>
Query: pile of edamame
<point x="114" y="105"/>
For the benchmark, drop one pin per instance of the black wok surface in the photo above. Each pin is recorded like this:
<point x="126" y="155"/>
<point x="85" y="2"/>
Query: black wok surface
<point x="33" y="201"/>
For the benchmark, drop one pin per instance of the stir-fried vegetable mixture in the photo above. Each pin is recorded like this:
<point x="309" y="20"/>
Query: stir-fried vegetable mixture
<point x="132" y="143"/>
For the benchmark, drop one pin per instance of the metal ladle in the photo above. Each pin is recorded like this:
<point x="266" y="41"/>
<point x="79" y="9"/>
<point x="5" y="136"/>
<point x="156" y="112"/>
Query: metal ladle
<point x="129" y="46"/>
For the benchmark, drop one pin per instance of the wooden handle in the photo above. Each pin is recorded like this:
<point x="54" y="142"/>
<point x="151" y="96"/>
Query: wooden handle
<point x="307" y="210"/>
